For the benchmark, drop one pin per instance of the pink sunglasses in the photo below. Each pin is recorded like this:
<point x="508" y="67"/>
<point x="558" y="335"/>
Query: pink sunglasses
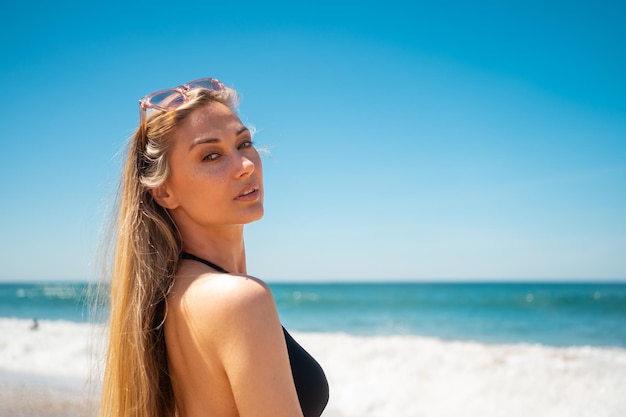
<point x="172" y="98"/>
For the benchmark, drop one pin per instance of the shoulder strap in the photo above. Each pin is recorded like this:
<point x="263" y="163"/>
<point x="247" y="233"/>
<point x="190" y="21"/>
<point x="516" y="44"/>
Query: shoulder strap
<point x="189" y="256"/>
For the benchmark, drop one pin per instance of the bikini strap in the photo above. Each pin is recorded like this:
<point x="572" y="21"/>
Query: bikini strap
<point x="191" y="257"/>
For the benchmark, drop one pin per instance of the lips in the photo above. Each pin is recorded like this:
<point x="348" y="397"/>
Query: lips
<point x="249" y="193"/>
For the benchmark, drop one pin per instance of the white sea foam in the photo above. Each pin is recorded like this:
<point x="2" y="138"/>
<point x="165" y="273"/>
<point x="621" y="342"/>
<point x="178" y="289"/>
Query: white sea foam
<point x="383" y="376"/>
<point x="413" y="376"/>
<point x="55" y="349"/>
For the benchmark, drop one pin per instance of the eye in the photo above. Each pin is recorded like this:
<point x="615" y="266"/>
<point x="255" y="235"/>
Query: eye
<point x="246" y="144"/>
<point x="210" y="157"/>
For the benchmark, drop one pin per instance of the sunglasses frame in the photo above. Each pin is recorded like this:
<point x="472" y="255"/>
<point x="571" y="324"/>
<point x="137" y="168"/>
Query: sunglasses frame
<point x="176" y="94"/>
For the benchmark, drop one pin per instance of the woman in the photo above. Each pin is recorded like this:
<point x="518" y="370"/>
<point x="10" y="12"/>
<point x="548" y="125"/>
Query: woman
<point x="191" y="334"/>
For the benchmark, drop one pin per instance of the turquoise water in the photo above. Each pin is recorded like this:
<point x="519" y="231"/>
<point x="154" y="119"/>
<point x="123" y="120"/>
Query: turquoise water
<point x="557" y="314"/>
<point x="47" y="301"/>
<point x="551" y="314"/>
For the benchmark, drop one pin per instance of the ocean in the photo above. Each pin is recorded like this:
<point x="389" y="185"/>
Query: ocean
<point x="392" y="349"/>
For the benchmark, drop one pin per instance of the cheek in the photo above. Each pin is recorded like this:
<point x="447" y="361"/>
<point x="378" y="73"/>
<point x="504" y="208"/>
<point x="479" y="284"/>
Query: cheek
<point x="193" y="187"/>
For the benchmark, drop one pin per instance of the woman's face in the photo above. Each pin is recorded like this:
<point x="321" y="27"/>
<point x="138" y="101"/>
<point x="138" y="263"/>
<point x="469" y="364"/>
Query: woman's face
<point x="216" y="177"/>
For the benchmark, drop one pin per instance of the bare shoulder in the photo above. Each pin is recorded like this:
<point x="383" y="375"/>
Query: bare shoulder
<point x="216" y="299"/>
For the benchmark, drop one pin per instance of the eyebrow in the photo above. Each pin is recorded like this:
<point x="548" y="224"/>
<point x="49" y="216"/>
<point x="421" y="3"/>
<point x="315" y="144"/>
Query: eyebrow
<point x="201" y="141"/>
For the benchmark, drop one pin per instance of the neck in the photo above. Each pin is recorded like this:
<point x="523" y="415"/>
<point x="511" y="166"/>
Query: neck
<point x="223" y="245"/>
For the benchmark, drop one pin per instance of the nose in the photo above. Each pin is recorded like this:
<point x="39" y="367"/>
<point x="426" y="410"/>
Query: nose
<point x="245" y="166"/>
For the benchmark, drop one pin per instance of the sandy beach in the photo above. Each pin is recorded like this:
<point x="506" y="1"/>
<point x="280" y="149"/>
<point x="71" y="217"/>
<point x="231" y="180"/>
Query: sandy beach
<point x="26" y="395"/>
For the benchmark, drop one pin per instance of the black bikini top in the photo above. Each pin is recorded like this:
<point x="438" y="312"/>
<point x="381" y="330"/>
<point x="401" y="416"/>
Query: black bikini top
<point x="308" y="376"/>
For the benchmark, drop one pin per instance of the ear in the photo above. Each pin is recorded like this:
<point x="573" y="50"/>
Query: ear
<point x="164" y="197"/>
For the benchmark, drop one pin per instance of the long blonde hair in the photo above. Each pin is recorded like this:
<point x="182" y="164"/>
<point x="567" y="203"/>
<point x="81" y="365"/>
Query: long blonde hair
<point x="146" y="251"/>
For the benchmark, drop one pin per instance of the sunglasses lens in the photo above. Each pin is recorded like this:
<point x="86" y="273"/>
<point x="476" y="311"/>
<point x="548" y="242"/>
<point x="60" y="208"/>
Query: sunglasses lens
<point x="206" y="83"/>
<point x="166" y="100"/>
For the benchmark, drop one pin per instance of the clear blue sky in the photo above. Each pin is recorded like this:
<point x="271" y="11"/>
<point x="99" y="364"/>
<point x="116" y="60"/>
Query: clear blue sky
<point x="445" y="140"/>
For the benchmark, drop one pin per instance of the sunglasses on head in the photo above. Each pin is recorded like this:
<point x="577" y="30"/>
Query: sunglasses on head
<point x="172" y="98"/>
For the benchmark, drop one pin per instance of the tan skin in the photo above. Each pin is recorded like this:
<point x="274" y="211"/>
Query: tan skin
<point x="226" y="350"/>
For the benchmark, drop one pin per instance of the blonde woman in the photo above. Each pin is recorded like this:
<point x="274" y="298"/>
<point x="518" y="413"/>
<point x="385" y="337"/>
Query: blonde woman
<point x="191" y="333"/>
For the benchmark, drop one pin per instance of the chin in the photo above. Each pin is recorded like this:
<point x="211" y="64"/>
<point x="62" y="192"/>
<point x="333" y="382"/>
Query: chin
<point x="254" y="216"/>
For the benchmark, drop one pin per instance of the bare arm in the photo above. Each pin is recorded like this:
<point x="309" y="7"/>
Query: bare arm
<point x="246" y="336"/>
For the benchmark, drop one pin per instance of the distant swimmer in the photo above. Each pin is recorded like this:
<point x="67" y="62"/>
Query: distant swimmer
<point x="35" y="325"/>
